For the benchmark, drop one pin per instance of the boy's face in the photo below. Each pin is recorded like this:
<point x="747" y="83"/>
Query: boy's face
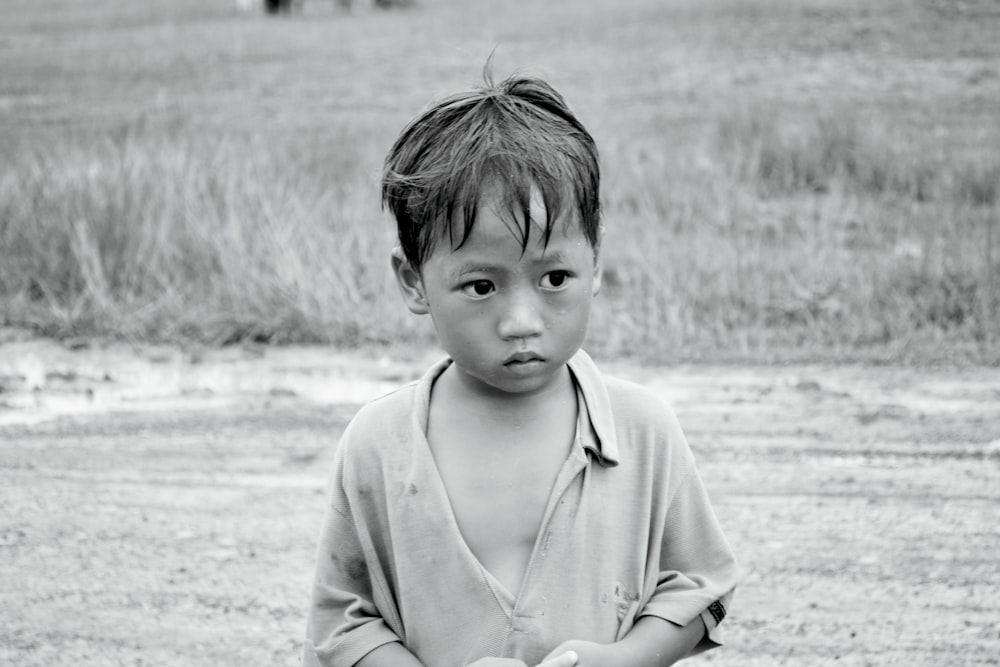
<point x="510" y="319"/>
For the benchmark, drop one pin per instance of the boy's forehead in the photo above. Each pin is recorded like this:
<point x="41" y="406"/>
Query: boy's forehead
<point x="493" y="231"/>
<point x="509" y="211"/>
<point x="537" y="211"/>
<point x="495" y="202"/>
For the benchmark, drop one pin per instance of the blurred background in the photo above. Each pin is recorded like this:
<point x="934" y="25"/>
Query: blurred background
<point x="782" y="180"/>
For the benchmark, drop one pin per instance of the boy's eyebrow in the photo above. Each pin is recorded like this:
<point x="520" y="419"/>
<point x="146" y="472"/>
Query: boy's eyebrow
<point x="554" y="257"/>
<point x="474" y="267"/>
<point x="484" y="266"/>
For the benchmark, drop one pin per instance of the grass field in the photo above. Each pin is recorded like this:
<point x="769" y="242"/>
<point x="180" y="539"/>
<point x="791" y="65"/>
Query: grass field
<point x="783" y="180"/>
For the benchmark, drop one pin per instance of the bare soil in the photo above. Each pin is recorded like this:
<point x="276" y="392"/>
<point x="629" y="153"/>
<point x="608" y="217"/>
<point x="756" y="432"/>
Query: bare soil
<point x="178" y="527"/>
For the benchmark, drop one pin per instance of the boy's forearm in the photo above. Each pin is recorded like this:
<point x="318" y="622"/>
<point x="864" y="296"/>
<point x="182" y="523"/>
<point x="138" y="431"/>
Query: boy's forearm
<point x="393" y="654"/>
<point x="654" y="642"/>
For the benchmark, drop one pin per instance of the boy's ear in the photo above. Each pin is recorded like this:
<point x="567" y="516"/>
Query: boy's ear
<point x="411" y="286"/>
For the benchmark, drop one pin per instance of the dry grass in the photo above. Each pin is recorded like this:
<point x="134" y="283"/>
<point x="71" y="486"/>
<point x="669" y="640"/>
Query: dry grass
<point x="165" y="239"/>
<point x="781" y="182"/>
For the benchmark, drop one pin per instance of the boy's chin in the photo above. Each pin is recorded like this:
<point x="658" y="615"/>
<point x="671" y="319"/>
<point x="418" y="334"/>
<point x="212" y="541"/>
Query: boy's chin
<point x="521" y="380"/>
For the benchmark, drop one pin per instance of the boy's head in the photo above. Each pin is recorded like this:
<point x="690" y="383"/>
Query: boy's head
<point x="496" y="197"/>
<point x="507" y="141"/>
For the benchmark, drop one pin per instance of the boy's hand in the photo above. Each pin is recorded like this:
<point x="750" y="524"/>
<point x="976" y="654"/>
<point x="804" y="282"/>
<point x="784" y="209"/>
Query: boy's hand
<point x="652" y="642"/>
<point x="554" y="659"/>
<point x="561" y="658"/>
<point x="565" y="659"/>
<point x="579" y="653"/>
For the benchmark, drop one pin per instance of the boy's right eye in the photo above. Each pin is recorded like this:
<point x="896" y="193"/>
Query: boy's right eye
<point x="478" y="288"/>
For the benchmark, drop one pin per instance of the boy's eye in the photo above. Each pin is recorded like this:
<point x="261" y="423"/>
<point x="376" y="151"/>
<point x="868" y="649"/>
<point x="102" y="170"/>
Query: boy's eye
<point x="555" y="279"/>
<point x="478" y="288"/>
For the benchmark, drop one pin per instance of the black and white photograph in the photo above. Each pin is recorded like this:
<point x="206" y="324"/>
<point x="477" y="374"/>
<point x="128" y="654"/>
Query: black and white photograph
<point x="453" y="333"/>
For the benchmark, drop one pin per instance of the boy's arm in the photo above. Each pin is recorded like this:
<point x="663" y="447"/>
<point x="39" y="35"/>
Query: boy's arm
<point x="695" y="577"/>
<point x="345" y="620"/>
<point x="393" y="654"/>
<point x="697" y="569"/>
<point x="652" y="642"/>
<point x="396" y="655"/>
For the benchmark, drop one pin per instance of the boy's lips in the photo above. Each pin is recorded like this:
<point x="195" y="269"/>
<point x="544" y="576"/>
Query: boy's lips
<point x="524" y="363"/>
<point x="522" y="358"/>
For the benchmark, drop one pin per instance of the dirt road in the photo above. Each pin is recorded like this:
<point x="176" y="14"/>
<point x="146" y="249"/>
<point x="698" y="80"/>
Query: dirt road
<point x="179" y="529"/>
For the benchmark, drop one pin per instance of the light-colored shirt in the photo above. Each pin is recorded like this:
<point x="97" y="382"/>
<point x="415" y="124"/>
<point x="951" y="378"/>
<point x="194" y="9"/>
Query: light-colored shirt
<point x="628" y="531"/>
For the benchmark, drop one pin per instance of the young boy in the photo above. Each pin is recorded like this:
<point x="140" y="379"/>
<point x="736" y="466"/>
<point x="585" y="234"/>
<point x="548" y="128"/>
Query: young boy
<point x="513" y="506"/>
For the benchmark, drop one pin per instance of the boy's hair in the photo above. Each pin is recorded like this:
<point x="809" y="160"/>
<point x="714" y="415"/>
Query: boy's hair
<point x="513" y="136"/>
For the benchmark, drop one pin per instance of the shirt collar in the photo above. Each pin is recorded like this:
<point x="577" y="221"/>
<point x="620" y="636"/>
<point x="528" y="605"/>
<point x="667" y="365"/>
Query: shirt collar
<point x="598" y="435"/>
<point x="597" y="425"/>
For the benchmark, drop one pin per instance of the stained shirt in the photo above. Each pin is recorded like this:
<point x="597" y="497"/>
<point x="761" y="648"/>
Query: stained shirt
<point x="628" y="531"/>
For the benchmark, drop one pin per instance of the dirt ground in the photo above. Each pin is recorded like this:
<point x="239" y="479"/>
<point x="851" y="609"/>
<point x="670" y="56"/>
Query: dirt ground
<point x="160" y="506"/>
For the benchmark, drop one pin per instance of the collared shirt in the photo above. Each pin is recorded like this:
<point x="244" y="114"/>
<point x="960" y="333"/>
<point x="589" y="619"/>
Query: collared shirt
<point x="628" y="531"/>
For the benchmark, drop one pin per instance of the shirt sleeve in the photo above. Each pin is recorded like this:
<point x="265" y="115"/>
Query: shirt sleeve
<point x="698" y="572"/>
<point x="344" y="620"/>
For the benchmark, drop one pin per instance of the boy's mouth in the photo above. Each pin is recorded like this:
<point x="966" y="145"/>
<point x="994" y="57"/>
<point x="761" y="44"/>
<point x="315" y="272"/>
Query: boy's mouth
<point x="521" y="359"/>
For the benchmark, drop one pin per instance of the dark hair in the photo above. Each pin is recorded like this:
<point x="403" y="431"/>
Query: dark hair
<point x="513" y="136"/>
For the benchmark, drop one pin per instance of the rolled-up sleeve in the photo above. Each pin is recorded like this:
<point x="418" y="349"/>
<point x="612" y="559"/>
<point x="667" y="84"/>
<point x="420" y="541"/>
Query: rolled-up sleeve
<point x="698" y="571"/>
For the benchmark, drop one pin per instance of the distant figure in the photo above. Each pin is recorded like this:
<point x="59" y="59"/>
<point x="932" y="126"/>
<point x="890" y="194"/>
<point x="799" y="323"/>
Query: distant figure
<point x="283" y="6"/>
<point x="379" y="4"/>
<point x="286" y="6"/>
<point x="515" y="507"/>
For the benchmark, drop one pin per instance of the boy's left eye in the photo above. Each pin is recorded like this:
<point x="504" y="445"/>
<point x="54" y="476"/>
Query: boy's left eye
<point x="555" y="279"/>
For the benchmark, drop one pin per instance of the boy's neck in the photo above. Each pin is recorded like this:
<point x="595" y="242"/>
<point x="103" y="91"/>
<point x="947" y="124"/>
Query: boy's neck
<point x="502" y="407"/>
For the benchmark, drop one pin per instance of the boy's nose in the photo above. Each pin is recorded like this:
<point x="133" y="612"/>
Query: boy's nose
<point x="522" y="318"/>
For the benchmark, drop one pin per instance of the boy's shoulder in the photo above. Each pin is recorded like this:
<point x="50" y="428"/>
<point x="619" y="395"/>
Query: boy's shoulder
<point x="648" y="436"/>
<point x="629" y="391"/>
<point x="637" y="406"/>
<point x="389" y="424"/>
<point x="384" y="415"/>
<point x="631" y="419"/>
<point x="627" y="400"/>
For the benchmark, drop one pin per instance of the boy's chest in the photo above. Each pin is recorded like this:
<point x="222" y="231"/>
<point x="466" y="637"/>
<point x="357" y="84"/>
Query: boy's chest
<point x="498" y="494"/>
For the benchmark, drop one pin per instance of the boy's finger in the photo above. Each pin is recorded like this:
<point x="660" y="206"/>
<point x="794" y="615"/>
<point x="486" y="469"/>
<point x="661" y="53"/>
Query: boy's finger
<point x="567" y="659"/>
